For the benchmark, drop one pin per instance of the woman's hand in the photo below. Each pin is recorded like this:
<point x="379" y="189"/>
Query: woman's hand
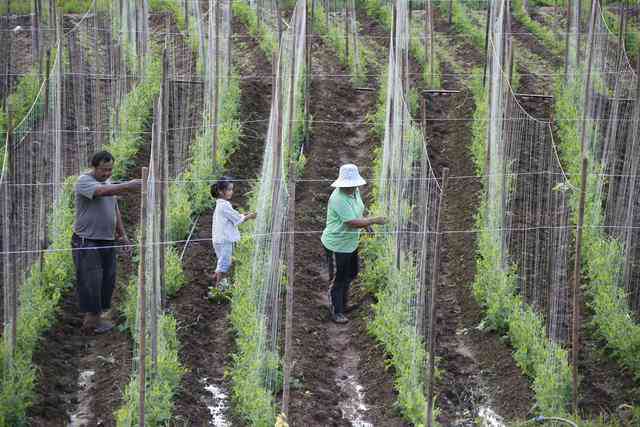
<point x="251" y="215"/>
<point x="380" y="220"/>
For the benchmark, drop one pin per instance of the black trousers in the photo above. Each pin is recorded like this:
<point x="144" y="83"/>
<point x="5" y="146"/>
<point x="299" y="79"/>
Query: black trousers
<point x="343" y="268"/>
<point x="95" y="262"/>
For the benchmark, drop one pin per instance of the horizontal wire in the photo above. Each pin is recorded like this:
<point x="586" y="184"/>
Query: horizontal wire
<point x="316" y="232"/>
<point x="370" y="179"/>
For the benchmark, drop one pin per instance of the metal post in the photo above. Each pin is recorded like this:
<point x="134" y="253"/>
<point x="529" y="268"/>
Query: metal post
<point x="435" y="270"/>
<point x="142" y="349"/>
<point x="576" y="286"/>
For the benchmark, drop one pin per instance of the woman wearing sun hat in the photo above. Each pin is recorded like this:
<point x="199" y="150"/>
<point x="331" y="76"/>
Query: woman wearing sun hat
<point x="341" y="235"/>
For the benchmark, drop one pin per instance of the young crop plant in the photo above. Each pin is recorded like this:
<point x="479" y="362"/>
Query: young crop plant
<point x="554" y="43"/>
<point x="39" y="298"/>
<point x="267" y="40"/>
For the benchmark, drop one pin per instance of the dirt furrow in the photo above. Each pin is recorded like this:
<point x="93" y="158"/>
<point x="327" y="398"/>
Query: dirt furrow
<point x="331" y="361"/>
<point x="204" y="329"/>
<point x="478" y="370"/>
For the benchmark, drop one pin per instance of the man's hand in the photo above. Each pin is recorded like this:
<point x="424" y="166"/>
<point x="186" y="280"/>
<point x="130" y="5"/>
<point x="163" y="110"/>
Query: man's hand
<point x="134" y="184"/>
<point x="251" y="215"/>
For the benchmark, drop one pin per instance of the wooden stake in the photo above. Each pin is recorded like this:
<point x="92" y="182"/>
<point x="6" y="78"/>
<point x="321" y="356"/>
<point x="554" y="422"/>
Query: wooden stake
<point x="450" y="11"/>
<point x="142" y="349"/>
<point x="164" y="171"/>
<point x="435" y="277"/>
<point x="575" y="326"/>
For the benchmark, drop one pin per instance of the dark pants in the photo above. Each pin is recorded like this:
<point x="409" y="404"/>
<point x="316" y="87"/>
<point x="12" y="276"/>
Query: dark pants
<point x="95" y="262"/>
<point x="343" y="268"/>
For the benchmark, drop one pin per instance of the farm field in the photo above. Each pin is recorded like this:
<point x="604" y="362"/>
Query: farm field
<point x="498" y="270"/>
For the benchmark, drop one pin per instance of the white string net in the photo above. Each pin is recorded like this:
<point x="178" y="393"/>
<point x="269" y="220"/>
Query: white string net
<point x="605" y="87"/>
<point x="269" y="258"/>
<point x="527" y="199"/>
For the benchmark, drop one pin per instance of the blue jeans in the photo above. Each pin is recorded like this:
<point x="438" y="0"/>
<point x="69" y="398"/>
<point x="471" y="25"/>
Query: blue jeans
<point x="224" y="251"/>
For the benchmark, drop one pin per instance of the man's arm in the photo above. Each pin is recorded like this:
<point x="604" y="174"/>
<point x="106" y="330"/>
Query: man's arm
<point x="116" y="189"/>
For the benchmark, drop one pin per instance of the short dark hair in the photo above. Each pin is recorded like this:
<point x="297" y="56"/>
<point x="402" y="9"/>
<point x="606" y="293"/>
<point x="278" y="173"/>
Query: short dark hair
<point x="101" y="157"/>
<point x="221" y="185"/>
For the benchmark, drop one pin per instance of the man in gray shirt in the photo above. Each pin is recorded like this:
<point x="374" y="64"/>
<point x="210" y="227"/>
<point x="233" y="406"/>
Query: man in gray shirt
<point x="97" y="226"/>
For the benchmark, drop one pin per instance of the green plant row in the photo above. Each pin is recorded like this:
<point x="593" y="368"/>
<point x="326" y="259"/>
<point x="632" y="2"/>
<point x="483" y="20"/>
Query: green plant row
<point x="267" y="39"/>
<point x="546" y="35"/>
<point x="161" y="384"/>
<point x="602" y="255"/>
<point x="334" y="35"/>
<point x="381" y="12"/>
<point x="495" y="288"/>
<point x="39" y="297"/>
<point x="463" y="23"/>
<point x="394" y="290"/>
<point x="632" y="34"/>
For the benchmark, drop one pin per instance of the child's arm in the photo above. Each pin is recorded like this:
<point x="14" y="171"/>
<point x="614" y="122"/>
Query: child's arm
<point x="232" y="215"/>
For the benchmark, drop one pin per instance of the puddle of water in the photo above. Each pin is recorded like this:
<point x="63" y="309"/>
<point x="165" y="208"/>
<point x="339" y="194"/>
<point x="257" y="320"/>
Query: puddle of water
<point x="217" y="404"/>
<point x="354" y="408"/>
<point x="82" y="416"/>
<point x="490" y="418"/>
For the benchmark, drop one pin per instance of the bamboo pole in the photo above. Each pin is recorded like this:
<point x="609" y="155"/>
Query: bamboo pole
<point x="164" y="171"/>
<point x="566" y="41"/>
<point x="575" y="338"/>
<point x="13" y="274"/>
<point x="142" y="349"/>
<point x="486" y="45"/>
<point x="587" y="89"/>
<point x="216" y="87"/>
<point x="290" y="248"/>
<point x="346" y="32"/>
<point x="435" y="277"/>
<point x="428" y="19"/>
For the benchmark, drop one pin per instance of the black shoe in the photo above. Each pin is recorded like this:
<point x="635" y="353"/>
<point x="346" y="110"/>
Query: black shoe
<point x="339" y="318"/>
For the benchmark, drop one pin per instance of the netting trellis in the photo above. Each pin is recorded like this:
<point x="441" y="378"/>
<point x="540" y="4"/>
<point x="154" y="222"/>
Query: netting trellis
<point x="527" y="201"/>
<point x="606" y="88"/>
<point x="257" y="307"/>
<point x="408" y="194"/>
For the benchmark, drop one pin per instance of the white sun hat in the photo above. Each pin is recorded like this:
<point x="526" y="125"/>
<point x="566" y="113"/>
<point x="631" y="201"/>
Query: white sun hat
<point x="349" y="177"/>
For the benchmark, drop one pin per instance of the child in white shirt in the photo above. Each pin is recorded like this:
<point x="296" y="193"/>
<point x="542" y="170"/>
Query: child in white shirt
<point x="225" y="226"/>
